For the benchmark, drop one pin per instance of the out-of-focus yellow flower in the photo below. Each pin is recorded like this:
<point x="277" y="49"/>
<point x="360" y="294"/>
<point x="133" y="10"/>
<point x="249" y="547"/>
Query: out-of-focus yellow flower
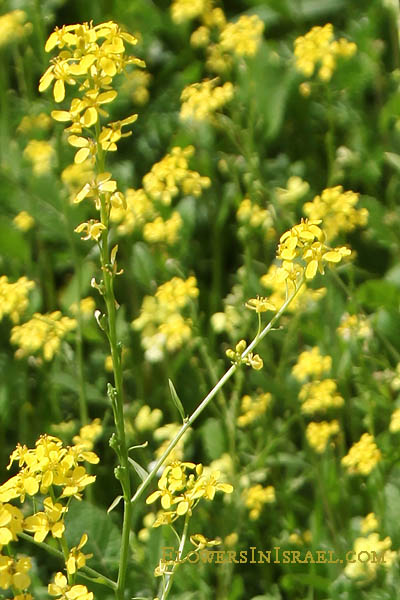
<point x="311" y="364"/>
<point x="253" y="408"/>
<point x="184" y="10"/>
<point x="14" y="297"/>
<point x="318" y="46"/>
<point x="24" y="221"/>
<point x="43" y="331"/>
<point x="365" y="571"/>
<point x="319" y="396"/>
<point x="318" y="434"/>
<point x="13" y="27"/>
<point x="295" y="189"/>
<point x="369" y="523"/>
<point x="363" y="456"/>
<point x="255" y="498"/>
<point x="41" y="155"/>
<point x="243" y="37"/>
<point x="200" y="101"/>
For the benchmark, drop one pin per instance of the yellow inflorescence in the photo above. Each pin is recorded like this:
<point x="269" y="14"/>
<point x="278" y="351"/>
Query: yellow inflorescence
<point x="369" y="523"/>
<point x="43" y="332"/>
<point x="13" y="27"/>
<point x="367" y="570"/>
<point x="41" y="154"/>
<point x="180" y="492"/>
<point x="200" y="101"/>
<point x="243" y="37"/>
<point x="254" y="215"/>
<point x="24" y="221"/>
<point x="337" y="210"/>
<point x="161" y="322"/>
<point x="318" y="434"/>
<point x="318" y="47"/>
<point x="184" y="10"/>
<point x="363" y="456"/>
<point x="171" y="175"/>
<point x="354" y="326"/>
<point x="253" y="408"/>
<point x="303" y="247"/>
<point x="255" y="498"/>
<point x="320" y="396"/>
<point x="14" y="297"/>
<point x="311" y="363"/>
<point x="61" y="588"/>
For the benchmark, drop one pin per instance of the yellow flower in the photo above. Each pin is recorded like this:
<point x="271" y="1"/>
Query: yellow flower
<point x="253" y="408"/>
<point x="13" y="573"/>
<point x="41" y="154"/>
<point x="102" y="184"/>
<point x="255" y="498"/>
<point x="14" y="297"/>
<point x="200" y="101"/>
<point x="24" y="221"/>
<point x="76" y="559"/>
<point x="49" y="521"/>
<point x="64" y="591"/>
<point x="362" y="456"/>
<point x="318" y="434"/>
<point x="93" y="230"/>
<point x="243" y="37"/>
<point x="319" y="396"/>
<point x="311" y="363"/>
<point x="260" y="304"/>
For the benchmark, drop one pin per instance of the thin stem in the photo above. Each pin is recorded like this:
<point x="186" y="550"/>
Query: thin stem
<point x="92" y="573"/>
<point x="170" y="579"/>
<point x="204" y="403"/>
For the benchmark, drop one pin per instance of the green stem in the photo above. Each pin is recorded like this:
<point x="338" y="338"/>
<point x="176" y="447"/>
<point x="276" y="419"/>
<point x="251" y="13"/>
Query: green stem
<point x="88" y="571"/>
<point x="204" y="403"/>
<point x="170" y="579"/>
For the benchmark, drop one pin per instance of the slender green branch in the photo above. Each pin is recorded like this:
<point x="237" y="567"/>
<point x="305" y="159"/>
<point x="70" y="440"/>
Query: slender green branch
<point x="204" y="403"/>
<point x="99" y="577"/>
<point x="170" y="579"/>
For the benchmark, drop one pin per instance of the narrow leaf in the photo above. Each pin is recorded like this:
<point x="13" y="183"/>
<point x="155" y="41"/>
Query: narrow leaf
<point x="139" y="470"/>
<point x="114" y="503"/>
<point x="176" y="400"/>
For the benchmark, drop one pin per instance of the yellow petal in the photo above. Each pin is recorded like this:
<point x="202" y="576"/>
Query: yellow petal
<point x="59" y="90"/>
<point x="311" y="269"/>
<point x="81" y="155"/>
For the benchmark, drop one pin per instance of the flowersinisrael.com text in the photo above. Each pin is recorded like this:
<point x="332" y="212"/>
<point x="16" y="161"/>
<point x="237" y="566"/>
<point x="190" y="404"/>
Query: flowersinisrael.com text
<point x="275" y="555"/>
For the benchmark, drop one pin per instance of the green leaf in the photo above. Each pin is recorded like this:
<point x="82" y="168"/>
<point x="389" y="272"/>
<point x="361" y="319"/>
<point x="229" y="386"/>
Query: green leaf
<point x="104" y="538"/>
<point x="213" y="438"/>
<point x="378" y="293"/>
<point x="176" y="400"/>
<point x="114" y="503"/>
<point x="143" y="264"/>
<point x="143" y="474"/>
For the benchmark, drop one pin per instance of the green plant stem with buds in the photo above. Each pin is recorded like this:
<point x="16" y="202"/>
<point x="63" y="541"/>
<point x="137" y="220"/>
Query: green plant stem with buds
<point x="204" y="403"/>
<point x="115" y="394"/>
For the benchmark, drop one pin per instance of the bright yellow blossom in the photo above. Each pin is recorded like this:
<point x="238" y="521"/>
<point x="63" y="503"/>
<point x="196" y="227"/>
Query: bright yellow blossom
<point x="362" y="456"/>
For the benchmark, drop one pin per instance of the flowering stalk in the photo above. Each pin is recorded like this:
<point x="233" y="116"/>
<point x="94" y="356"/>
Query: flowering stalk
<point x="206" y="401"/>
<point x="170" y="577"/>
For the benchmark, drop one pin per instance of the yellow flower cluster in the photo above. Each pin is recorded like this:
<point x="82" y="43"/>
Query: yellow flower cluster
<point x="354" y="326"/>
<point x="366" y="571"/>
<point x="147" y="419"/>
<point x="48" y="464"/>
<point x="136" y="84"/>
<point x="318" y="46"/>
<point x="362" y="456"/>
<point x="253" y="215"/>
<point x="369" y="523"/>
<point x="88" y="434"/>
<point x="303" y="251"/>
<point x="139" y="209"/>
<point x="161" y="322"/>
<point x="318" y="434"/>
<point x="87" y="307"/>
<point x="41" y="154"/>
<point x="23" y="221"/>
<point x="280" y="288"/>
<point x="14" y="297"/>
<point x="184" y="10"/>
<point x="13" y="27"/>
<point x="61" y="589"/>
<point x="32" y="122"/>
<point x="337" y="210"/>
<point x="171" y="175"/>
<point x="43" y="332"/>
<point x="200" y="101"/>
<point x="252" y="360"/>
<point x="255" y="498"/>
<point x="243" y="37"/>
<point x="14" y="573"/>
<point x="311" y="364"/>
<point x="319" y="396"/>
<point x="159" y="231"/>
<point x="90" y="56"/>
<point x="252" y="408"/>
<point x="180" y="492"/>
